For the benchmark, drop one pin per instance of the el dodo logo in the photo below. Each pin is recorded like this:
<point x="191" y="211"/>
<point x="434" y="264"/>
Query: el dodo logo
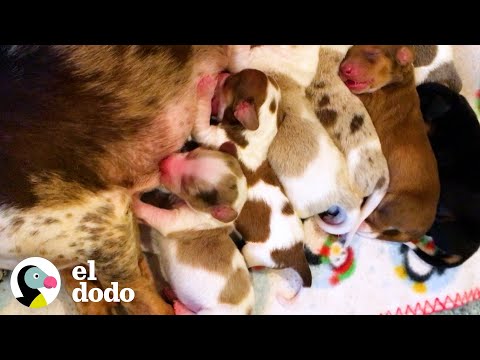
<point x="35" y="282"/>
<point x="95" y="294"/>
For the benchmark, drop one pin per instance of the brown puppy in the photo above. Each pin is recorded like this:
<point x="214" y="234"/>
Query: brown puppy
<point x="383" y="77"/>
<point x="82" y="128"/>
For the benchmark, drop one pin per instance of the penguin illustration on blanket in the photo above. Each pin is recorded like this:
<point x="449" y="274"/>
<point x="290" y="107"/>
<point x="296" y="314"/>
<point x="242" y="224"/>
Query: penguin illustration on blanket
<point x="31" y="278"/>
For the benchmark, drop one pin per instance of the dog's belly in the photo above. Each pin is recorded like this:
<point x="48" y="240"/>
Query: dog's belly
<point x="65" y="235"/>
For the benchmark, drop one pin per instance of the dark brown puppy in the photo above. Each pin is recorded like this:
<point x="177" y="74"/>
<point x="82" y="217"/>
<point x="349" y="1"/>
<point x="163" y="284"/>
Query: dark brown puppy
<point x="383" y="77"/>
<point x="81" y="129"/>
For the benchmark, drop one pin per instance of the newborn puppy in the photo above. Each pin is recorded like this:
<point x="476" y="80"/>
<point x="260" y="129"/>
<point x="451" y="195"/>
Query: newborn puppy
<point x="312" y="170"/>
<point x="434" y="63"/>
<point x="383" y="77"/>
<point x="454" y="134"/>
<point x="247" y="105"/>
<point x="349" y="125"/>
<point x="199" y="260"/>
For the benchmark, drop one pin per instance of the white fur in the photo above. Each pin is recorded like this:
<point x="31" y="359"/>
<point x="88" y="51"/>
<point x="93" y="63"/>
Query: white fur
<point x="311" y="192"/>
<point x="444" y="55"/>
<point x="298" y="61"/>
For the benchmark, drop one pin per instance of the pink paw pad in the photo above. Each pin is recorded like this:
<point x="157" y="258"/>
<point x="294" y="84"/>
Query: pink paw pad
<point x="181" y="309"/>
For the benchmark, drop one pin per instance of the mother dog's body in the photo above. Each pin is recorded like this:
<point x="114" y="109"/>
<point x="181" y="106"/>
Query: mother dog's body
<point x="81" y="129"/>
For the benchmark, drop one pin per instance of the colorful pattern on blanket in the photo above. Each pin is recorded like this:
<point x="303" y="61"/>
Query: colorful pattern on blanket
<point x="385" y="278"/>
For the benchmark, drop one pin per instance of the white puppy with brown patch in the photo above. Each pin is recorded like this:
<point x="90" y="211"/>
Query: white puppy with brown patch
<point x="311" y="168"/>
<point x="198" y="258"/>
<point x="247" y="106"/>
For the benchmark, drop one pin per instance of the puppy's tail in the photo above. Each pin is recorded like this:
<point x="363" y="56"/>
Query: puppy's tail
<point x="347" y="223"/>
<point x="370" y="205"/>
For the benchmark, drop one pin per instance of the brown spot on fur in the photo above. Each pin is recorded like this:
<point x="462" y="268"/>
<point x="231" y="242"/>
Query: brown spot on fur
<point x="391" y="232"/>
<point x="50" y="220"/>
<point x="380" y="182"/>
<point x="73" y="244"/>
<point x="42" y="252"/>
<point x="370" y="160"/>
<point x="235" y="133"/>
<point x="287" y="209"/>
<point x="236" y="288"/>
<point x="324" y="101"/>
<point x="326" y="116"/>
<point x="69" y="215"/>
<point x="92" y="218"/>
<point x="17" y="223"/>
<point x="253" y="223"/>
<point x="212" y="250"/>
<point x="106" y="210"/>
<point x="319" y="84"/>
<point x="18" y="249"/>
<point x="264" y="172"/>
<point x="34" y="233"/>
<point x="424" y="54"/>
<point x="356" y="123"/>
<point x="273" y="106"/>
<point x="294" y="258"/>
<point x="338" y="136"/>
<point x="61" y="256"/>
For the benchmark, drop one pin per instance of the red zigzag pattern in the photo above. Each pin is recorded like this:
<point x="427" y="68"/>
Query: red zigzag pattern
<point x="438" y="305"/>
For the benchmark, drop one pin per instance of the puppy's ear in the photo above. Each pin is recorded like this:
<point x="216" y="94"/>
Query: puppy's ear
<point x="229" y="148"/>
<point x="405" y="56"/>
<point x="244" y="111"/>
<point x="223" y="213"/>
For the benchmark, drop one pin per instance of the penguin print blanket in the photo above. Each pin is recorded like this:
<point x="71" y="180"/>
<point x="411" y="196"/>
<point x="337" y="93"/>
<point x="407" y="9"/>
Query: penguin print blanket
<point x="370" y="277"/>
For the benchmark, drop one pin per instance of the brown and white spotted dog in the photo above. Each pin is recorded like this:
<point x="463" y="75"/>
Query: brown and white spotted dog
<point x="383" y="78"/>
<point x="197" y="256"/>
<point x="349" y="125"/>
<point x="82" y="128"/>
<point x="311" y="168"/>
<point x="435" y="63"/>
<point x="247" y="106"/>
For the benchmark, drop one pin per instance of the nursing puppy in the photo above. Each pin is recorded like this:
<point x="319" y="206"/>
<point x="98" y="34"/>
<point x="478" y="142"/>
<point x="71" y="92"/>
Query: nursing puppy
<point x="349" y="125"/>
<point x="434" y="63"/>
<point x="312" y="170"/>
<point x="383" y="78"/>
<point x="82" y="128"/>
<point x="247" y="105"/>
<point x="197" y="257"/>
<point x="454" y="134"/>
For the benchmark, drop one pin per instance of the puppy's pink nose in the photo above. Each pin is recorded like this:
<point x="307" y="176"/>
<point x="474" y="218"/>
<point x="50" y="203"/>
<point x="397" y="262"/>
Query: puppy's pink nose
<point x="347" y="68"/>
<point x="50" y="282"/>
